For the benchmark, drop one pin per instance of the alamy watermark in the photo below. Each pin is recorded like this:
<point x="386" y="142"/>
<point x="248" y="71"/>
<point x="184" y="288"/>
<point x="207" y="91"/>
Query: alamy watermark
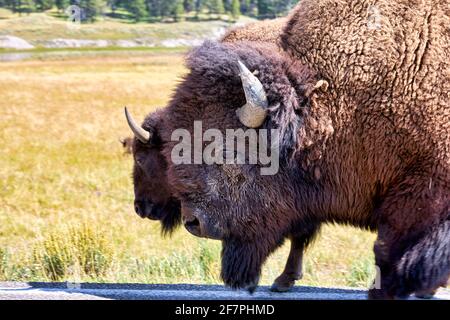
<point x="238" y="146"/>
<point x="74" y="14"/>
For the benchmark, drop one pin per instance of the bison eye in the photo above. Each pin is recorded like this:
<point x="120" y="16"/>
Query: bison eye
<point x="140" y="160"/>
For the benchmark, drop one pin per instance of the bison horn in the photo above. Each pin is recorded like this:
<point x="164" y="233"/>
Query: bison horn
<point x="141" y="134"/>
<point x="254" y="112"/>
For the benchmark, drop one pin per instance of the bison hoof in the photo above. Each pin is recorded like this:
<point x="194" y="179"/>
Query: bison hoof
<point x="425" y="295"/>
<point x="378" y="294"/>
<point x="251" y="288"/>
<point x="284" y="283"/>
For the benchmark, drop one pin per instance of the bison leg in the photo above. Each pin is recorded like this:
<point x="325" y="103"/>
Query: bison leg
<point x="293" y="269"/>
<point x="412" y="250"/>
<point x="421" y="268"/>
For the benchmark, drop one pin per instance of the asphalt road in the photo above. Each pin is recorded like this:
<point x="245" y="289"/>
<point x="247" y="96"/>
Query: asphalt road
<point x="84" y="291"/>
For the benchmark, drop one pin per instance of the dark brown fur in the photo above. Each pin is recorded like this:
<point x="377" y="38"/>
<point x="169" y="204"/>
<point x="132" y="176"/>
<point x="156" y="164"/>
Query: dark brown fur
<point x="153" y="195"/>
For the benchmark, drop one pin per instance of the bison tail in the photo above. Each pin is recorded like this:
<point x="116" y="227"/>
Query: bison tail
<point x="425" y="266"/>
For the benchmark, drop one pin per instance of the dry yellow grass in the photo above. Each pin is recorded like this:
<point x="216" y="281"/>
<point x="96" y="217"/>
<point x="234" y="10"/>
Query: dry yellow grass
<point x="63" y="177"/>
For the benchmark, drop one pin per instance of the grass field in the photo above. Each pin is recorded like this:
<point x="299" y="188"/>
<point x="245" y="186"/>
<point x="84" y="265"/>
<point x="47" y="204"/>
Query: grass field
<point x="66" y="191"/>
<point x="38" y="27"/>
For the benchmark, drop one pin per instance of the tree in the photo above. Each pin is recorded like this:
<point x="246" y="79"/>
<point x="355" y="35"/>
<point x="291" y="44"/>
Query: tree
<point x="137" y="9"/>
<point x="91" y="9"/>
<point x="12" y="5"/>
<point x="283" y="6"/>
<point x="153" y="8"/>
<point x="189" y="5"/>
<point x="216" y="6"/>
<point x="26" y="6"/>
<point x="266" y="9"/>
<point x="179" y="11"/>
<point x="235" y="9"/>
<point x="62" y="5"/>
<point x="43" y="5"/>
<point x="168" y="7"/>
<point x="227" y="5"/>
<point x="249" y="7"/>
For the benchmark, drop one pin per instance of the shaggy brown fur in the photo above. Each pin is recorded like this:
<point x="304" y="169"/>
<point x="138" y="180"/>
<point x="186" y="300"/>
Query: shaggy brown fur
<point x="389" y="87"/>
<point x="239" y="199"/>
<point x="263" y="31"/>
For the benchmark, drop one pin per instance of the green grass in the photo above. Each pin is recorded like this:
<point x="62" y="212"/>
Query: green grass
<point x="66" y="195"/>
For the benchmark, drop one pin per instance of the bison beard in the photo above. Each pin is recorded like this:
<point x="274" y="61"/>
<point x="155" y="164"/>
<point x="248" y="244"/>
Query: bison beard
<point x="241" y="262"/>
<point x="171" y="217"/>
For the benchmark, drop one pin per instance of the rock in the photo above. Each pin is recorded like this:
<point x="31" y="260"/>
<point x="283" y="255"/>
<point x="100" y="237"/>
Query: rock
<point x="11" y="42"/>
<point x="75" y="43"/>
<point x="127" y="44"/>
<point x="173" y="43"/>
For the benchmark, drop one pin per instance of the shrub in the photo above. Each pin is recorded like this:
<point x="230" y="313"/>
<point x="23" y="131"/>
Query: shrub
<point x="3" y="263"/>
<point x="92" y="250"/>
<point x="75" y="250"/>
<point x="54" y="256"/>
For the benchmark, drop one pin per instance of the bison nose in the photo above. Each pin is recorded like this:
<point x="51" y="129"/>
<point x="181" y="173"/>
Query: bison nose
<point x="143" y="208"/>
<point x="192" y="224"/>
<point x="200" y="225"/>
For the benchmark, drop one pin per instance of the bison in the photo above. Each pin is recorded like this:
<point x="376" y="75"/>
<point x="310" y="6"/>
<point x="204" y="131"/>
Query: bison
<point x="363" y="116"/>
<point x="154" y="199"/>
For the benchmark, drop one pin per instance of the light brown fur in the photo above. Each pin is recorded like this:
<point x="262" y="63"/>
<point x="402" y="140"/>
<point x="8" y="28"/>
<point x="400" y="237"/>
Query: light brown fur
<point x="262" y="31"/>
<point x="389" y="104"/>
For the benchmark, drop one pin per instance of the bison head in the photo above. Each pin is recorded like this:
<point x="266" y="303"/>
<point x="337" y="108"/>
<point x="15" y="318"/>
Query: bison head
<point x="153" y="197"/>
